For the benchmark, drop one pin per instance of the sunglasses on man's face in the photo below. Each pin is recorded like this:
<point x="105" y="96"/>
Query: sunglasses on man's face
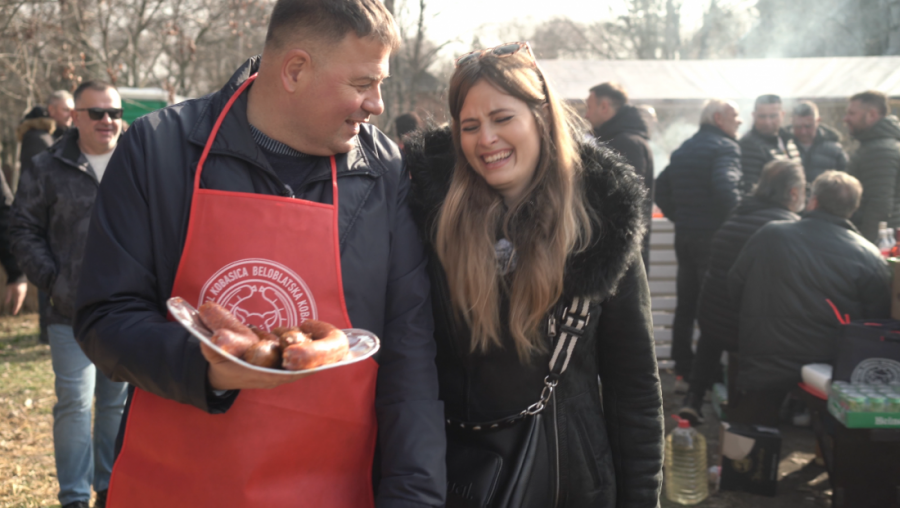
<point x="99" y="113"/>
<point x="503" y="50"/>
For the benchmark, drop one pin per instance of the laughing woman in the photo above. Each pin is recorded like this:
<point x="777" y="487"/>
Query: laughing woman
<point x="538" y="290"/>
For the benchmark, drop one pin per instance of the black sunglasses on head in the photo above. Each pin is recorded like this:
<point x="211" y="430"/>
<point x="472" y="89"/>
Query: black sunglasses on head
<point x="99" y="113"/>
<point x="503" y="50"/>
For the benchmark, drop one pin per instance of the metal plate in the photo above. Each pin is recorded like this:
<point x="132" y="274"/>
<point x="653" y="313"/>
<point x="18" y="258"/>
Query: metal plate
<point x="363" y="343"/>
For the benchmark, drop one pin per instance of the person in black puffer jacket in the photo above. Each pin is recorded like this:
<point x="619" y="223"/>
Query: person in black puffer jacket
<point x="781" y="284"/>
<point x="626" y="132"/>
<point x="876" y="162"/>
<point x="766" y="141"/>
<point x="495" y="187"/>
<point x="819" y="145"/>
<point x="781" y="192"/>
<point x="698" y="191"/>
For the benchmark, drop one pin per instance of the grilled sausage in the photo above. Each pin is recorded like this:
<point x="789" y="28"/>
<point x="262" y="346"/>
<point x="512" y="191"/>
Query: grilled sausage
<point x="265" y="353"/>
<point x="233" y="343"/>
<point x="216" y="317"/>
<point x="290" y="336"/>
<point x="328" y="345"/>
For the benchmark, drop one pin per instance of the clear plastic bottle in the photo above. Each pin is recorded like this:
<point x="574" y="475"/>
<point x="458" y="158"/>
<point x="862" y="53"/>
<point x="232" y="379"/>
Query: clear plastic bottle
<point x="687" y="480"/>
<point x="885" y="239"/>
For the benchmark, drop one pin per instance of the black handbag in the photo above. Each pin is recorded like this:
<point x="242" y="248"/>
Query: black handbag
<point x="507" y="463"/>
<point x="869" y="352"/>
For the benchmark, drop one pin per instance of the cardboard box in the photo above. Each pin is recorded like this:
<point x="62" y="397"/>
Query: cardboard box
<point x="862" y="420"/>
<point x="749" y="456"/>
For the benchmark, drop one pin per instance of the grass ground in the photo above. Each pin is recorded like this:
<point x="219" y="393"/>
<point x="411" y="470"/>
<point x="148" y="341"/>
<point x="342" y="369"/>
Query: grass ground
<point x="27" y="471"/>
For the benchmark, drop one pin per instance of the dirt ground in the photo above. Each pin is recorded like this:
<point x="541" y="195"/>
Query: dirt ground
<point x="28" y="476"/>
<point x="802" y="483"/>
<point x="27" y="471"/>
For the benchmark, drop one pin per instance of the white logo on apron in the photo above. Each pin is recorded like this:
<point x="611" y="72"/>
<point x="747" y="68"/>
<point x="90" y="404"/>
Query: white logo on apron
<point x="262" y="293"/>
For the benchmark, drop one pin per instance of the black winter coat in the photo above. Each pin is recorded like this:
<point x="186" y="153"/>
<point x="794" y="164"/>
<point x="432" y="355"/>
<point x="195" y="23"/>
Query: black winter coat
<point x="610" y="449"/>
<point x="824" y="154"/>
<point x="138" y="233"/>
<point x="49" y="223"/>
<point x="757" y="149"/>
<point x="627" y="134"/>
<point x="717" y="316"/>
<point x="699" y="188"/>
<point x="876" y="164"/>
<point x="36" y="135"/>
<point x="7" y="259"/>
<point x="780" y="283"/>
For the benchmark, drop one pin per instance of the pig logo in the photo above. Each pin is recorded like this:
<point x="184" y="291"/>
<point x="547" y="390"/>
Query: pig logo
<point x="875" y="371"/>
<point x="262" y="293"/>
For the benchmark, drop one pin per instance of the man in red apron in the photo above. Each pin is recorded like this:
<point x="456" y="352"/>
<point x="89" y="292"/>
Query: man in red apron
<point x="275" y="198"/>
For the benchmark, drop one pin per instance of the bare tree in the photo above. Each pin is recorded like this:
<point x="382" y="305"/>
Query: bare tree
<point x="410" y="79"/>
<point x="189" y="47"/>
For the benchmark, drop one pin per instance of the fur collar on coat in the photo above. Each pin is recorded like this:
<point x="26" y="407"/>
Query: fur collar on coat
<point x="614" y="192"/>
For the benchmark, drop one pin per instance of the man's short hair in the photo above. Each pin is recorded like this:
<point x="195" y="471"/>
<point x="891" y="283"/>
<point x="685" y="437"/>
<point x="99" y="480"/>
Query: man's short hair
<point x="806" y="108"/>
<point x="329" y="21"/>
<point x="406" y="123"/>
<point x="777" y="179"/>
<point x="837" y="193"/>
<point x="94" y="84"/>
<point x="710" y="108"/>
<point x="874" y="99"/>
<point x="612" y="91"/>
<point x="767" y="99"/>
<point x="59" y="95"/>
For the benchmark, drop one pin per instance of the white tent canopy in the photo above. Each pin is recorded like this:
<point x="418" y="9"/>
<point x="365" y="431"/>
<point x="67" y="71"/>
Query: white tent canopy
<point x="791" y="78"/>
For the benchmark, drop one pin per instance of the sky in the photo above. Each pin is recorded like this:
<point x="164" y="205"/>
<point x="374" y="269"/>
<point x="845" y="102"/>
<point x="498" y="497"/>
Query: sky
<point x="462" y="19"/>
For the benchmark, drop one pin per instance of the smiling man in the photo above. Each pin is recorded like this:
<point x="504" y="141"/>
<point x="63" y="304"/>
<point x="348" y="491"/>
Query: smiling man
<point x="280" y="169"/>
<point x="48" y="230"/>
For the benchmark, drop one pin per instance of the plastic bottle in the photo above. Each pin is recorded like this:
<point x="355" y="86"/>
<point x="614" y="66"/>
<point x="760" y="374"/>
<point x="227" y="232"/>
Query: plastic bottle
<point x="687" y="478"/>
<point x="885" y="239"/>
<point x="895" y="250"/>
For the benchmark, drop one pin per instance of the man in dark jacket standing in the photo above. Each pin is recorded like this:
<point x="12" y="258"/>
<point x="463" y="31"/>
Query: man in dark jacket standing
<point x="303" y="119"/>
<point x="819" y="145"/>
<point x="781" y="283"/>
<point x="698" y="191"/>
<point x="40" y="128"/>
<point x="766" y="141"/>
<point x="35" y="132"/>
<point x="621" y="126"/>
<point x="16" y="283"/>
<point x="876" y="163"/>
<point x="780" y="195"/>
<point x="49" y="225"/>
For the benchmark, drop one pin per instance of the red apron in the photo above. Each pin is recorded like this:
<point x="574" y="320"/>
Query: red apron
<point x="273" y="261"/>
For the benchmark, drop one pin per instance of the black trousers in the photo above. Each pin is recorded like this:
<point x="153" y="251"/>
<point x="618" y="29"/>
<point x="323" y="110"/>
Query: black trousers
<point x="692" y="252"/>
<point x="707" y="366"/>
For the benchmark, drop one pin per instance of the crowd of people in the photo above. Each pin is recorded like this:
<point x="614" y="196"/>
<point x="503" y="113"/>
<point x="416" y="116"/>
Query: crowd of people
<point x="502" y="260"/>
<point x="764" y="292"/>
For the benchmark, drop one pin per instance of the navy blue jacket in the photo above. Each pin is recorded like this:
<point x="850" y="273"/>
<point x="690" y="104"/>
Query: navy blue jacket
<point x="137" y="235"/>
<point x="699" y="188"/>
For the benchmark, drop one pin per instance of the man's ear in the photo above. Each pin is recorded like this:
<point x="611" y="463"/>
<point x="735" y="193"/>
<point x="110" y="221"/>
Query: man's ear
<point x="294" y="64"/>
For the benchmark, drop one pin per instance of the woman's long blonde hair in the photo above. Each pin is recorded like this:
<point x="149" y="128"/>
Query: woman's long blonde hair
<point x="548" y="224"/>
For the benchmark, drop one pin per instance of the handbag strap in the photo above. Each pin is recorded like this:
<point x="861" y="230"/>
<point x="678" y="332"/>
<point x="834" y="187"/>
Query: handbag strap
<point x="575" y="319"/>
